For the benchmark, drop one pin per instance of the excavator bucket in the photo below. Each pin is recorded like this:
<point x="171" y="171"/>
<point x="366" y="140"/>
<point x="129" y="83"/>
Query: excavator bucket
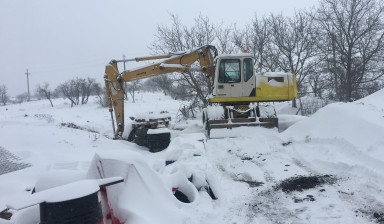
<point x="228" y="117"/>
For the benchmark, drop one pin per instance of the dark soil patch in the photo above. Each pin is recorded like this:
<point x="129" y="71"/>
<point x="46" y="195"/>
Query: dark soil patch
<point x="378" y="217"/>
<point x="308" y="198"/>
<point x="251" y="183"/>
<point x="75" y="126"/>
<point x="301" y="183"/>
<point x="5" y="214"/>
<point x="286" y="143"/>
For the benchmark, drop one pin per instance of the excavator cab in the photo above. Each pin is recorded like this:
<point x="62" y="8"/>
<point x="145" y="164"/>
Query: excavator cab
<point x="235" y="76"/>
<point x="236" y="81"/>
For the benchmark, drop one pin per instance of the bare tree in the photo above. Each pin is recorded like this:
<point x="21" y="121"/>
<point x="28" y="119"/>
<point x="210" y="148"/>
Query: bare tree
<point x="77" y="88"/>
<point x="45" y="91"/>
<point x="296" y="39"/>
<point x="86" y="88"/>
<point x="318" y="82"/>
<point x="70" y="91"/>
<point x="353" y="43"/>
<point x="224" y="43"/>
<point x="181" y="38"/>
<point x="4" y="94"/>
<point x="256" y="39"/>
<point x="22" y="97"/>
<point x="133" y="87"/>
<point x="163" y="83"/>
<point x="101" y="94"/>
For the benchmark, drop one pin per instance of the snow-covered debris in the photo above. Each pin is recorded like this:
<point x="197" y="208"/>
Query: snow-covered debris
<point x="145" y="196"/>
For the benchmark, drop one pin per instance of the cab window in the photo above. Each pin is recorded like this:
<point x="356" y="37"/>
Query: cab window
<point x="248" y="69"/>
<point x="229" y="71"/>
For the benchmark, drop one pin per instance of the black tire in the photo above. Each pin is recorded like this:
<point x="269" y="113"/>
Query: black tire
<point x="132" y="135"/>
<point x="158" y="142"/>
<point x="158" y="145"/>
<point x="181" y="197"/>
<point x="142" y="141"/>
<point x="205" y="119"/>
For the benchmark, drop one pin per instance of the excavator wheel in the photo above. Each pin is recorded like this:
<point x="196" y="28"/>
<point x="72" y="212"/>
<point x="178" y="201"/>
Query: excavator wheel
<point x="205" y="119"/>
<point x="132" y="135"/>
<point x="159" y="142"/>
<point x="141" y="136"/>
<point x="155" y="142"/>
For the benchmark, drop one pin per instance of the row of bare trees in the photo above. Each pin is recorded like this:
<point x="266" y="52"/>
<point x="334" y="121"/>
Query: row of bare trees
<point x="336" y="50"/>
<point x="76" y="90"/>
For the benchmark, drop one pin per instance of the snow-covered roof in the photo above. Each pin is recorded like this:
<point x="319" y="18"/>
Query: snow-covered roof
<point x="277" y="74"/>
<point x="235" y="55"/>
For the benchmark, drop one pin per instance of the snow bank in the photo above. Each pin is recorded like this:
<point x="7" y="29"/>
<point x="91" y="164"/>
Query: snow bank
<point x="374" y="100"/>
<point x="286" y="120"/>
<point x="346" y="136"/>
<point x="360" y="125"/>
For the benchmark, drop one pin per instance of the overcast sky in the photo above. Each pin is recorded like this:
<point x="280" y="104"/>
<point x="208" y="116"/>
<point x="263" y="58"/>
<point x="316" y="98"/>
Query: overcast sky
<point x="60" y="39"/>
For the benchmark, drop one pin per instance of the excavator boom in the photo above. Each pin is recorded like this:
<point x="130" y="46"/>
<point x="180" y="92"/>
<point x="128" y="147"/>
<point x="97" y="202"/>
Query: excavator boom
<point x="173" y="62"/>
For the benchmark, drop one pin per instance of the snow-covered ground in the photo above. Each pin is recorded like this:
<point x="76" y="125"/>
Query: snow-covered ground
<point x="328" y="168"/>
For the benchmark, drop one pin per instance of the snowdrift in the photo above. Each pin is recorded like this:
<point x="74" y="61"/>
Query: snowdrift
<point x="359" y="123"/>
<point x="346" y="139"/>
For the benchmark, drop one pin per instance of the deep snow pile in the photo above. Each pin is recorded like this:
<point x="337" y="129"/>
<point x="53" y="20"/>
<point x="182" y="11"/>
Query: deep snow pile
<point x="347" y="140"/>
<point x="327" y="168"/>
<point x="358" y="127"/>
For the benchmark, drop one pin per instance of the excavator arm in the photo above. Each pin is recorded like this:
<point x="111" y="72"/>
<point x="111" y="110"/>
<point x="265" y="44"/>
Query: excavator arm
<point x="173" y="62"/>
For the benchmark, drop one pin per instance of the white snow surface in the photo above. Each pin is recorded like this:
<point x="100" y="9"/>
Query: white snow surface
<point x="344" y="140"/>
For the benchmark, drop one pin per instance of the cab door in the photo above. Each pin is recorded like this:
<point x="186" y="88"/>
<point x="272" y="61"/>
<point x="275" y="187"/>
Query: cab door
<point x="229" y="81"/>
<point x="249" y="80"/>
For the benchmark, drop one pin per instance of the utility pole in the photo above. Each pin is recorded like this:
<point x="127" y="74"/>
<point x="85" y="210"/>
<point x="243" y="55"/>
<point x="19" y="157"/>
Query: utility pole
<point x="125" y="84"/>
<point x="27" y="73"/>
<point x="124" y="61"/>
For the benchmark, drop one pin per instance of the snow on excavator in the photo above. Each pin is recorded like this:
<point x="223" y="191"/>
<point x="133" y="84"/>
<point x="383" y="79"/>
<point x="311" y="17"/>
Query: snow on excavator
<point x="238" y="89"/>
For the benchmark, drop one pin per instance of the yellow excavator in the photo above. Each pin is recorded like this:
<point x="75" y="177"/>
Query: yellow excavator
<point x="237" y="91"/>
